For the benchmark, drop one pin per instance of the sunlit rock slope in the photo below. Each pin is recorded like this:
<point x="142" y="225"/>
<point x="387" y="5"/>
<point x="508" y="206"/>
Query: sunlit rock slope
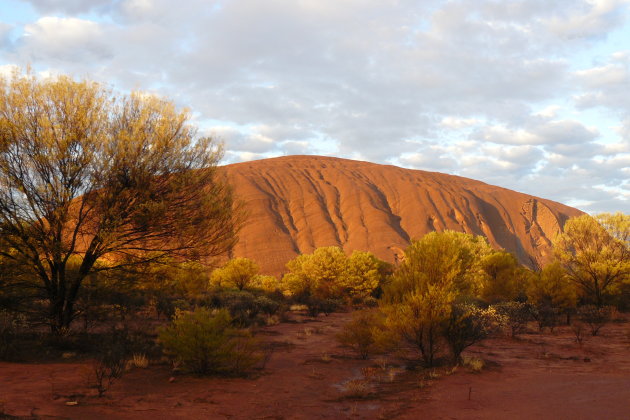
<point x="299" y="203"/>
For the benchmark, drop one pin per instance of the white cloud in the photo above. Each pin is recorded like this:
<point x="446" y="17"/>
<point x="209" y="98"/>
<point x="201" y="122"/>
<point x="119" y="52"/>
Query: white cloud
<point x="457" y="123"/>
<point x="594" y="18"/>
<point x="539" y="131"/>
<point x="484" y="89"/>
<point x="69" y="6"/>
<point x="63" y="39"/>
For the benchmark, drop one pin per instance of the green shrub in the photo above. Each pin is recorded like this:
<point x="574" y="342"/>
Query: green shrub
<point x="241" y="305"/>
<point x="328" y="273"/>
<point x="418" y="320"/>
<point x="246" y="308"/>
<point x="360" y="333"/>
<point x="206" y="343"/>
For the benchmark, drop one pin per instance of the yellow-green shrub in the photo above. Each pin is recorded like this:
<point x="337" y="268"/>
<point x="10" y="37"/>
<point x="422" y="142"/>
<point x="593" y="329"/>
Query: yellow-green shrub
<point x="237" y="273"/>
<point x="362" y="332"/>
<point x="328" y="273"/>
<point x="205" y="342"/>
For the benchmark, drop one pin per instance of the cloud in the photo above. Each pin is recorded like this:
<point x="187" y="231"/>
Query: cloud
<point x="5" y="30"/>
<point x="7" y="70"/>
<point x="485" y="89"/>
<point x="539" y="130"/>
<point x="69" y="6"/>
<point x="606" y="85"/>
<point x="590" y="19"/>
<point x="63" y="39"/>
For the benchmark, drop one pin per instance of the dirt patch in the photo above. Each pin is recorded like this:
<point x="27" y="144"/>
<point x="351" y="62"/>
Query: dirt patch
<point x="308" y="376"/>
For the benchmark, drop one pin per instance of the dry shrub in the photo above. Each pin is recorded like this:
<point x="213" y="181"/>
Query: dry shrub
<point x="517" y="315"/>
<point x="111" y="361"/>
<point x="140" y="361"/>
<point x="595" y="317"/>
<point x="11" y="326"/>
<point x="473" y="364"/>
<point x="578" y="329"/>
<point x="326" y="358"/>
<point x="392" y="372"/>
<point x="357" y="388"/>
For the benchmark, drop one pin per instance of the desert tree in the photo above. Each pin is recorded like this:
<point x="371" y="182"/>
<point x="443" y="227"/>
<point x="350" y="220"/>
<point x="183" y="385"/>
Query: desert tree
<point x="450" y="259"/>
<point x="418" y="319"/>
<point x="551" y="290"/>
<point x="437" y="269"/>
<point x="503" y="277"/>
<point x="239" y="273"/>
<point x="595" y="252"/>
<point x="328" y="273"/>
<point x="467" y="325"/>
<point x="316" y="274"/>
<point x="364" y="274"/>
<point x="113" y="181"/>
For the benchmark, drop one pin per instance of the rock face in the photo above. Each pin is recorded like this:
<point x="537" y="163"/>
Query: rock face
<point x="299" y="203"/>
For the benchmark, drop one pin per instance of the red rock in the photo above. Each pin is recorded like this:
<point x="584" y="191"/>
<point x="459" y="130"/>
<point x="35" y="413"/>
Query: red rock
<point x="299" y="203"/>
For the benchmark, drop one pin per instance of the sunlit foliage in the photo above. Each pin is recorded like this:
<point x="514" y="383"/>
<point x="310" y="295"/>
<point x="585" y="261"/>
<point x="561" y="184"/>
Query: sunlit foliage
<point x="328" y="273"/>
<point x="86" y="174"/>
<point x="595" y="252"/>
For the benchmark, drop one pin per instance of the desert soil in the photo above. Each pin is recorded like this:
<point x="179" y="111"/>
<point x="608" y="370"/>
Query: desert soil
<point x="536" y="376"/>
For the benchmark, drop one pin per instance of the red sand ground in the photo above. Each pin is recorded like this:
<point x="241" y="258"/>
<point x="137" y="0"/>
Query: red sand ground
<point x="538" y="376"/>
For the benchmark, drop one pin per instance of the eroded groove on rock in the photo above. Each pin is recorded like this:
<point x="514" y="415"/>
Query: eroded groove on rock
<point x="299" y="203"/>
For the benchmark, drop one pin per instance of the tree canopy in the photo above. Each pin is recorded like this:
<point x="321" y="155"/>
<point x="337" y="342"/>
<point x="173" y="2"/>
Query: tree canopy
<point x="595" y="252"/>
<point x="329" y="273"/>
<point x="437" y="269"/>
<point x="110" y="180"/>
<point x="238" y="272"/>
<point x="446" y="259"/>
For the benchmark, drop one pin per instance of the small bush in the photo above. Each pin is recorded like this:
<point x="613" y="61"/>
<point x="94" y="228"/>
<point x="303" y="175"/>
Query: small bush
<point x="517" y="315"/>
<point x="11" y="326"/>
<point x="140" y="361"/>
<point x="245" y="307"/>
<point x="359" y="333"/>
<point x="595" y="317"/>
<point x="206" y="343"/>
<point x="468" y="325"/>
<point x="578" y="330"/>
<point x="545" y="316"/>
<point x="111" y="360"/>
<point x="473" y="364"/>
<point x="357" y="388"/>
<point x="316" y="306"/>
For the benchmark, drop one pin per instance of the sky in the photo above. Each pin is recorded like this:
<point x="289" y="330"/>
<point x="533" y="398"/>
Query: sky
<point x="530" y="95"/>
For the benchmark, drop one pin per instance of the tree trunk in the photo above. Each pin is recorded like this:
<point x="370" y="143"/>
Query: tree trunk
<point x="61" y="304"/>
